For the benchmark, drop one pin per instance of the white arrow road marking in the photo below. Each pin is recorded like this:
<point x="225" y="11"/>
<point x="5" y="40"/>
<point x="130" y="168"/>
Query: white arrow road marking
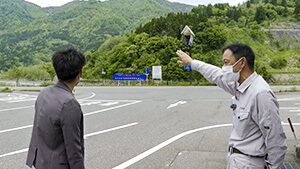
<point x="176" y="104"/>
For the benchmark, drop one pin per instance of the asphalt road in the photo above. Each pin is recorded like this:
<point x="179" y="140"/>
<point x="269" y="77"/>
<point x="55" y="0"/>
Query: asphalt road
<point x="142" y="127"/>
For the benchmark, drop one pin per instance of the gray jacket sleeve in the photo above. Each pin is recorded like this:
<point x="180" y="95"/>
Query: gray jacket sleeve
<point x="71" y="123"/>
<point x="213" y="74"/>
<point x="270" y="125"/>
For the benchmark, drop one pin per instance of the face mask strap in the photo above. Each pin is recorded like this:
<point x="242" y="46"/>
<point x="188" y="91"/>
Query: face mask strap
<point x="237" y="62"/>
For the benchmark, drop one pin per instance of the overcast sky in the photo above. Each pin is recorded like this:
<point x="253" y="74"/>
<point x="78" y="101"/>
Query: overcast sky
<point x="46" y="3"/>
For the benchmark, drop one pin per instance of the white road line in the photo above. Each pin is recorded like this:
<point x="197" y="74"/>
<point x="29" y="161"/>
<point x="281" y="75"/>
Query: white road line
<point x="288" y="108"/>
<point x="162" y="145"/>
<point x="150" y="151"/>
<point x="26" y="107"/>
<point x="13" y="129"/>
<point x="171" y="140"/>
<point x="15" y="152"/>
<point x="17" y="108"/>
<point x="85" y="136"/>
<point x="176" y="104"/>
<point x="16" y="101"/>
<point x="93" y="95"/>
<point x="289" y="99"/>
<point x="86" y="114"/>
<point x="108" y="130"/>
<point x="111" y="108"/>
<point x="109" y="103"/>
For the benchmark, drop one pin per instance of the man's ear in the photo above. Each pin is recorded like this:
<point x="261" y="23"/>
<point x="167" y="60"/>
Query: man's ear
<point x="80" y="73"/>
<point x="244" y="62"/>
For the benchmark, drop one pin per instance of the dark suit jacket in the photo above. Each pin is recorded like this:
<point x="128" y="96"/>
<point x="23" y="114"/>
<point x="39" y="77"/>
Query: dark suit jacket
<point x="57" y="136"/>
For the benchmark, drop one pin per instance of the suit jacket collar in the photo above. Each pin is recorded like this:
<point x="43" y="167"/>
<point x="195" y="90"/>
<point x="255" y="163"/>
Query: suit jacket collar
<point x="62" y="85"/>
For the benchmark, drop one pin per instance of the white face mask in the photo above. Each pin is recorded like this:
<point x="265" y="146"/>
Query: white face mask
<point x="228" y="73"/>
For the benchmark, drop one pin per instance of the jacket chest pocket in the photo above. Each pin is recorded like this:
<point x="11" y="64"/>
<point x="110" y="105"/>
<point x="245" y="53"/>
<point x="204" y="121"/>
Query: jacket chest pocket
<point x="242" y="115"/>
<point x="241" y="122"/>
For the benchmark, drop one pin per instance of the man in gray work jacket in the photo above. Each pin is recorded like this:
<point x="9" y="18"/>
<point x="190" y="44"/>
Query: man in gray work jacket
<point x="57" y="136"/>
<point x="257" y="138"/>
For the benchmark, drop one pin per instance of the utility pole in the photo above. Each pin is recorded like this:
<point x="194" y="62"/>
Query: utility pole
<point x="168" y="28"/>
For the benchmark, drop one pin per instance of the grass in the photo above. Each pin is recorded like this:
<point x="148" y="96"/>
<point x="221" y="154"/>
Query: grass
<point x="5" y="90"/>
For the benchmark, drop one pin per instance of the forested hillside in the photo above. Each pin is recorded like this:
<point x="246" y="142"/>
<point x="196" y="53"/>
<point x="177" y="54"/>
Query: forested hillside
<point x="270" y="27"/>
<point x="30" y="34"/>
<point x="214" y="27"/>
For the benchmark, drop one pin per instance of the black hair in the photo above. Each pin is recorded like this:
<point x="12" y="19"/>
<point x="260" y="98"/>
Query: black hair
<point x="240" y="50"/>
<point x="67" y="63"/>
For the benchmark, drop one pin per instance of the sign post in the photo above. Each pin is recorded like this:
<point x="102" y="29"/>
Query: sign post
<point x="147" y="73"/>
<point x="188" y="37"/>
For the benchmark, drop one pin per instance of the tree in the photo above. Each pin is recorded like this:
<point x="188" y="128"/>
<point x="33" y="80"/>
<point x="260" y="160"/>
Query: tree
<point x="50" y="70"/>
<point x="248" y="4"/>
<point x="274" y="2"/>
<point x="260" y="15"/>
<point x="17" y="73"/>
<point x="212" y="38"/>
<point x="284" y="3"/>
<point x="297" y="9"/>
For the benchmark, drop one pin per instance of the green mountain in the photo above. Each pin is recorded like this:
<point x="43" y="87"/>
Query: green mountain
<point x="17" y="13"/>
<point x="272" y="30"/>
<point x="30" y="34"/>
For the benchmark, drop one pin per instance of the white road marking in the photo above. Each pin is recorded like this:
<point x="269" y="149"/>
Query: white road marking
<point x="93" y="95"/>
<point x="13" y="129"/>
<point x="176" y="104"/>
<point x="17" y="97"/>
<point x="288" y="108"/>
<point x="148" y="152"/>
<point x="17" y="108"/>
<point x="26" y="107"/>
<point x="289" y="99"/>
<point x="163" y="144"/>
<point x="171" y="140"/>
<point x="15" y="152"/>
<point x="89" y="103"/>
<point x="108" y="130"/>
<point x="85" y="136"/>
<point x="111" y="108"/>
<point x="109" y="103"/>
<point x="86" y="114"/>
<point x="16" y="101"/>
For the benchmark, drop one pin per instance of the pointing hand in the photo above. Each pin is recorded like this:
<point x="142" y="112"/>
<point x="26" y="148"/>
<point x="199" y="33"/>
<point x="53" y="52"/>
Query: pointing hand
<point x="185" y="59"/>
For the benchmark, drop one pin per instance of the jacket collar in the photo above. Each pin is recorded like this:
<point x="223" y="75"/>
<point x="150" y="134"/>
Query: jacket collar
<point x="62" y="85"/>
<point x="248" y="82"/>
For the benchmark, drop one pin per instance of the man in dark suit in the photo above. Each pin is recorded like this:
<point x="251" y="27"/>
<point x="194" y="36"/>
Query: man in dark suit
<point x="57" y="136"/>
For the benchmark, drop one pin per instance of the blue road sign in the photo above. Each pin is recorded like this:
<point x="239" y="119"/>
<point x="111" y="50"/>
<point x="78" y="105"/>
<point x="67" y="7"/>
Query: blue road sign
<point x="147" y="71"/>
<point x="129" y="77"/>
<point x="189" y="67"/>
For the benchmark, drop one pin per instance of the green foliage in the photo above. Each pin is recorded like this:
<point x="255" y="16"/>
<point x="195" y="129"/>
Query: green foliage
<point x="30" y="34"/>
<point x="125" y="36"/>
<point x="278" y="62"/>
<point x="50" y="70"/>
<point x="44" y="84"/>
<point x="30" y="73"/>
<point x="260" y="14"/>
<point x="6" y="89"/>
